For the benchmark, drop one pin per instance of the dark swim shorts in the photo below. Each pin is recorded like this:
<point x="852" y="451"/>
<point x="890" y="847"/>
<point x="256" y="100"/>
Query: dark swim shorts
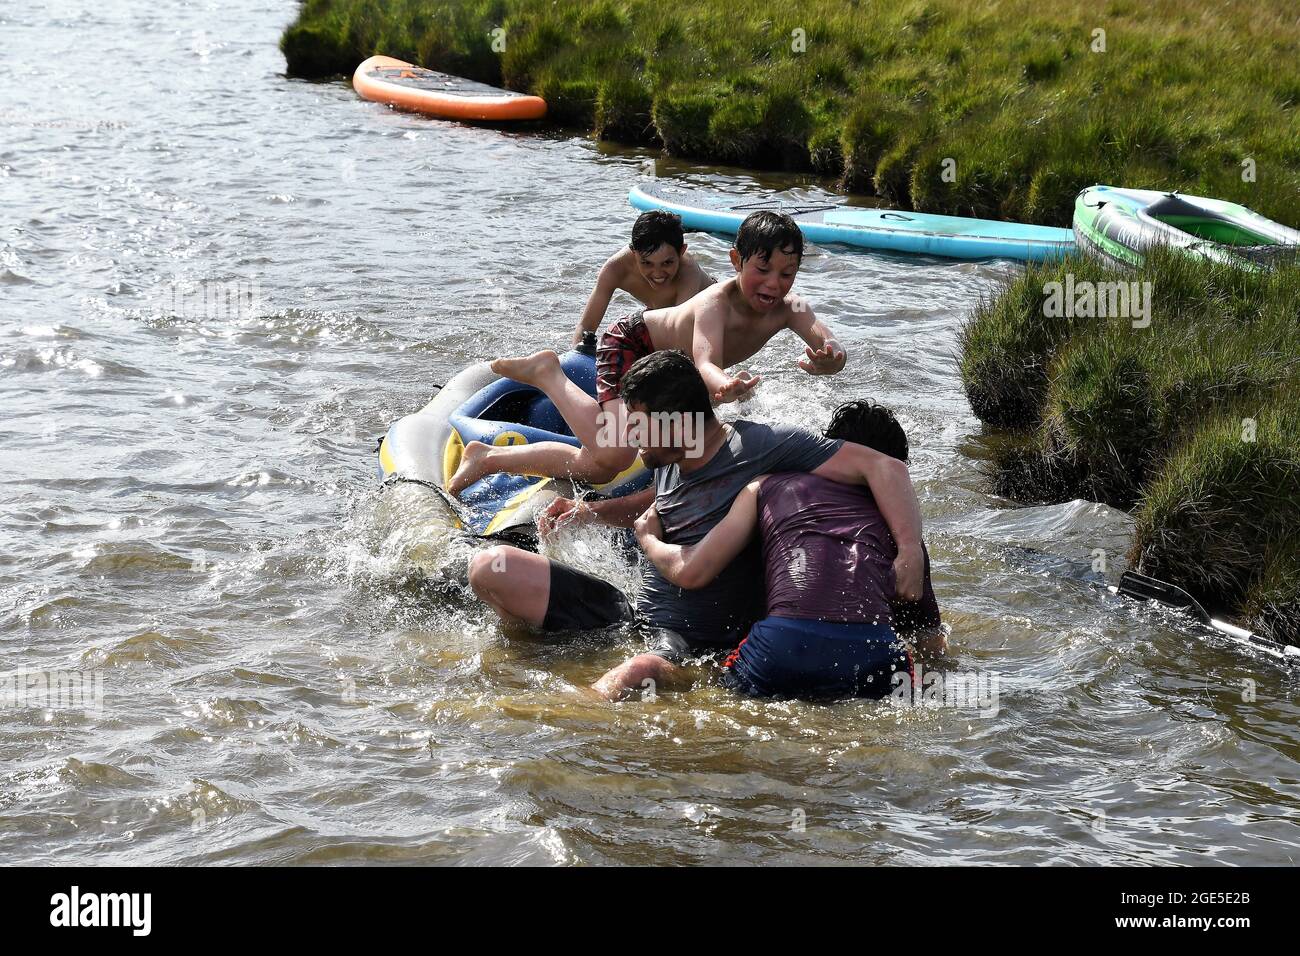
<point x="579" y="601"/>
<point x="626" y="341"/>
<point x="817" y="660"/>
<point x="583" y="602"/>
<point x="678" y="648"/>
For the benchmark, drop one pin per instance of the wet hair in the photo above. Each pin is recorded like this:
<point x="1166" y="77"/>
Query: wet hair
<point x="655" y="228"/>
<point x="666" y="381"/>
<point x="866" y="423"/>
<point x="763" y="232"/>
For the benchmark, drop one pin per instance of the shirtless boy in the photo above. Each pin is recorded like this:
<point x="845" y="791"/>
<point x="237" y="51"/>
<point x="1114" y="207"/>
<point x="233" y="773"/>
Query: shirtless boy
<point x="722" y="326"/>
<point x="654" y="268"/>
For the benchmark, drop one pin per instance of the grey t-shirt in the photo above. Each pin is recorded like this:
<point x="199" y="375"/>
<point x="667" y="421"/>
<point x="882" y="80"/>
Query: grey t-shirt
<point x="718" y="614"/>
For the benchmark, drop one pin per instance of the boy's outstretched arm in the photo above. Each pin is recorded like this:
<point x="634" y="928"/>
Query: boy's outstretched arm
<point x="598" y="301"/>
<point x="891" y="486"/>
<point x="707" y="352"/>
<point x="694" y="566"/>
<point x="823" y="355"/>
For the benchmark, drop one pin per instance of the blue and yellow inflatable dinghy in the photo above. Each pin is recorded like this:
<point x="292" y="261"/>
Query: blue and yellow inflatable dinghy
<point x="479" y="405"/>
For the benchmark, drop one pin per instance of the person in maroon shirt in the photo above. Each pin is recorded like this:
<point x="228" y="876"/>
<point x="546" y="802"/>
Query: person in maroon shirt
<point x="832" y="627"/>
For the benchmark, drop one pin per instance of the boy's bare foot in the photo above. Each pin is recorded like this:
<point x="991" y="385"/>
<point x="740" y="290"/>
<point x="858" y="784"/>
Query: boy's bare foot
<point x="473" y="466"/>
<point x="529" y="369"/>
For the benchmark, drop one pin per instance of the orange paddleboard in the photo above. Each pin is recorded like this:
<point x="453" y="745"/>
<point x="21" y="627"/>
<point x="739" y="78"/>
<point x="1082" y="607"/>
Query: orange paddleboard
<point x="408" y="87"/>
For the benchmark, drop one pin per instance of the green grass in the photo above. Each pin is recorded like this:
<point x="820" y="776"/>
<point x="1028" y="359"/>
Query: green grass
<point x="885" y="91"/>
<point x="1273" y="600"/>
<point x="1221" y="517"/>
<point x="1154" y="418"/>
<point x="1008" y="342"/>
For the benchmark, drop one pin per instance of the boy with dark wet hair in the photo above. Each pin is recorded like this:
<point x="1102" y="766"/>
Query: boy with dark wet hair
<point x="722" y="326"/>
<point x="654" y="268"/>
<point x="867" y="423"/>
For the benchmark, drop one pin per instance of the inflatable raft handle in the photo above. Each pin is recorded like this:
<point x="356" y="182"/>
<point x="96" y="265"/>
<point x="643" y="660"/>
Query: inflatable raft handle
<point x="588" y="346"/>
<point x="896" y="215"/>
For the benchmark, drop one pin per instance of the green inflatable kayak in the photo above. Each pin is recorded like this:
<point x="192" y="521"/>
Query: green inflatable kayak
<point x="1120" y="225"/>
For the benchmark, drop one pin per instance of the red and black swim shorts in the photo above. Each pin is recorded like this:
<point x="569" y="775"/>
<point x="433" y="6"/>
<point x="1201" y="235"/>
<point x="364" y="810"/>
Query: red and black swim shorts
<point x="626" y="341"/>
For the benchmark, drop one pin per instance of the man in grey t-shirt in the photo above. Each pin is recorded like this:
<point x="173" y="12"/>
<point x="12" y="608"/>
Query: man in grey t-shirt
<point x="700" y="466"/>
<point x="690" y="504"/>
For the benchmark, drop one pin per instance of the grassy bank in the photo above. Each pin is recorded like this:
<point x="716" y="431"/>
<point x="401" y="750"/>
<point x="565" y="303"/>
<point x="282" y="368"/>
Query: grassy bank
<point x="880" y="94"/>
<point x="1193" y="420"/>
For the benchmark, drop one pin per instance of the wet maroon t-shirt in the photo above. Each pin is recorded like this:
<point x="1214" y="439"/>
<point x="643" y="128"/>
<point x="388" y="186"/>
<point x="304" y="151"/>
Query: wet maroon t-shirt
<point x="828" y="555"/>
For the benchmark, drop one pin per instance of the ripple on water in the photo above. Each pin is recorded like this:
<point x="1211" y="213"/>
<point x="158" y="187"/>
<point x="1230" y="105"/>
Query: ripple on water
<point x="171" y="650"/>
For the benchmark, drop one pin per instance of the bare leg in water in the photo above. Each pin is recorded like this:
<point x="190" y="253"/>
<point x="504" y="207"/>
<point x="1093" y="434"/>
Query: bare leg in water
<point x="604" y="452"/>
<point x="517" y="585"/>
<point x="643" y="672"/>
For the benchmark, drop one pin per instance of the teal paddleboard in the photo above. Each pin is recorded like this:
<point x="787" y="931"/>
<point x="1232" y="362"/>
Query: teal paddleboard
<point x="954" y="237"/>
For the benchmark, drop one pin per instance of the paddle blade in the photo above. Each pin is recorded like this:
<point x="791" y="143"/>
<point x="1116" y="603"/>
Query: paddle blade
<point x="1140" y="586"/>
<point x="1135" y="585"/>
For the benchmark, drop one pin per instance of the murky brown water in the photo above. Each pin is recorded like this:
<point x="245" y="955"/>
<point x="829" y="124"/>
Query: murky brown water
<point x="290" y="671"/>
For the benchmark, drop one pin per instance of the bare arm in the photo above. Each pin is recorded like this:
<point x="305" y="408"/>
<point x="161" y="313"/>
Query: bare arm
<point x="929" y="642"/>
<point x="823" y="355"/>
<point x="616" y="512"/>
<point x="622" y="512"/>
<point x="707" y="351"/>
<point x="891" y="486"/>
<point x="598" y="301"/>
<point x="694" y="566"/>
